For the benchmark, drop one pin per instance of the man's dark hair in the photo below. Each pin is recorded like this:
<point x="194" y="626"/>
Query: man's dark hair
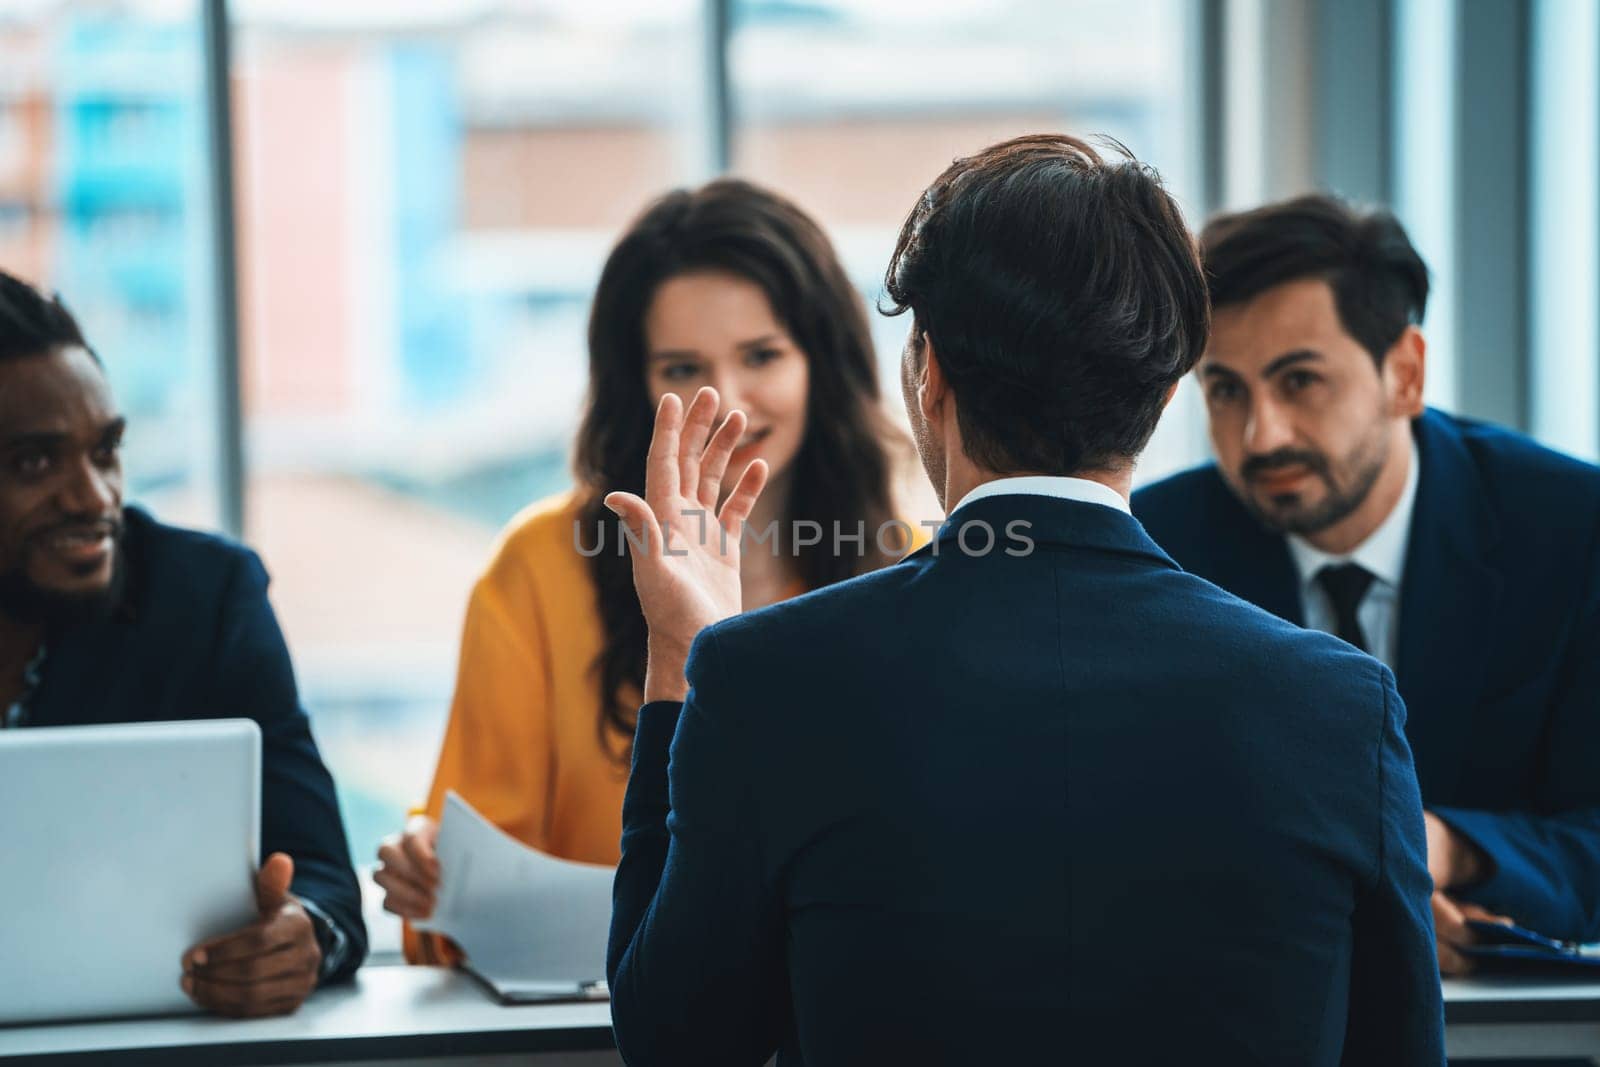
<point x="32" y="324"/>
<point x="1380" y="284"/>
<point x="1063" y="297"/>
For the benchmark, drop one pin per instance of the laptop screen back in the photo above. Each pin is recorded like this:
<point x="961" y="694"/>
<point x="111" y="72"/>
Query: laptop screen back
<point x="122" y="847"/>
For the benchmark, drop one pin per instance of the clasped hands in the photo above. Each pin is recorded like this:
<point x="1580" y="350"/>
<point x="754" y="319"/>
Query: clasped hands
<point x="1453" y="861"/>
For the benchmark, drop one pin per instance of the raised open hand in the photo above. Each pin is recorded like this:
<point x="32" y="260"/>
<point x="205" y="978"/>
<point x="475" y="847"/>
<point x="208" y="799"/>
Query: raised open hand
<point x="685" y="549"/>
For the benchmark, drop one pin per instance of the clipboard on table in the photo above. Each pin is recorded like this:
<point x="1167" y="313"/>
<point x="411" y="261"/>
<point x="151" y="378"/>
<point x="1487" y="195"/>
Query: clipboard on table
<point x="510" y="991"/>
<point x="533" y="927"/>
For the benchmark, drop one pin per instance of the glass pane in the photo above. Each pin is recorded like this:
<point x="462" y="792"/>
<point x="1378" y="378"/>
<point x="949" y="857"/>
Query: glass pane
<point x="427" y="192"/>
<point x="1564" y="239"/>
<point x="853" y="106"/>
<point x="103" y="199"/>
<point x="1425" y="185"/>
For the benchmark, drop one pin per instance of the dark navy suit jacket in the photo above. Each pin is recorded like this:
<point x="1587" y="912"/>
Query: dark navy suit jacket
<point x="1498" y="652"/>
<point x="196" y="638"/>
<point x="1069" y="806"/>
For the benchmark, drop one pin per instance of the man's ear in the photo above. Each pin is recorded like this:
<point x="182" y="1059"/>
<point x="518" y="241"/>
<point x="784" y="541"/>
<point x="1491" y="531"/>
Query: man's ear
<point x="1405" y="372"/>
<point x="934" y="388"/>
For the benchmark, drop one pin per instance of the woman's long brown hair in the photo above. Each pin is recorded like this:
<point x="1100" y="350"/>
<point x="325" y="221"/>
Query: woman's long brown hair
<point x="843" y="470"/>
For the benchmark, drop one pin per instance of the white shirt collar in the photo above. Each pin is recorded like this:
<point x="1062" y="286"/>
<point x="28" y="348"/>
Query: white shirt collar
<point x="1383" y="552"/>
<point x="1080" y="489"/>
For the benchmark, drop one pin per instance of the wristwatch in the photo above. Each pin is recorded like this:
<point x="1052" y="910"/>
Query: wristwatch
<point x="331" y="940"/>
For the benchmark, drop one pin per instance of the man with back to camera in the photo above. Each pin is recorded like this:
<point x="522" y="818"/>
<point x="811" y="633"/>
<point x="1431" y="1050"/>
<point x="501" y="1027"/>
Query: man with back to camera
<point x="1033" y="795"/>
<point x="108" y="616"/>
<point x="1465" y="557"/>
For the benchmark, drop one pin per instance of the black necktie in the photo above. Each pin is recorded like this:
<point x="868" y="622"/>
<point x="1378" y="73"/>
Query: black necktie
<point x="1346" y="584"/>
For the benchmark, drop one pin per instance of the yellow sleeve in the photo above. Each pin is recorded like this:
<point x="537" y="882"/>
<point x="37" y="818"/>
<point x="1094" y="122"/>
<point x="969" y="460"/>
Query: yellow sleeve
<point x="920" y="536"/>
<point x="497" y="745"/>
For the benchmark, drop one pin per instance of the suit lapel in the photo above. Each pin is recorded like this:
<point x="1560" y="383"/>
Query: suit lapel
<point x="1448" y="597"/>
<point x="1244" y="556"/>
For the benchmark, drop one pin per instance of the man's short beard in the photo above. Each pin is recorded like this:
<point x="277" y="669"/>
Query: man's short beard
<point x="1334" y="508"/>
<point x="1338" y="505"/>
<point x="22" y="600"/>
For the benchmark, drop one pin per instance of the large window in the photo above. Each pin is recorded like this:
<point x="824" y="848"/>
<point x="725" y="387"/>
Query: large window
<point x="853" y="106"/>
<point x="103" y="197"/>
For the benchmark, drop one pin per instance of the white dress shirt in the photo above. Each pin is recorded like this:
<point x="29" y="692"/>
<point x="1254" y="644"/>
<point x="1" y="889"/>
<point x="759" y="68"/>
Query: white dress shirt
<point x="1383" y="553"/>
<point x="1082" y="490"/>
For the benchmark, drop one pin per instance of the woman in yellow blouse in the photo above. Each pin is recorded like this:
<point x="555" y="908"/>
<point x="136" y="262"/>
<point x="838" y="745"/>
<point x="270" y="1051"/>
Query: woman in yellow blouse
<point x="729" y="286"/>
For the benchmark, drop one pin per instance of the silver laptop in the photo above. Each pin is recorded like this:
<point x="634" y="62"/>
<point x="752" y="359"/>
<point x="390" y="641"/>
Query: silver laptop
<point x="121" y="846"/>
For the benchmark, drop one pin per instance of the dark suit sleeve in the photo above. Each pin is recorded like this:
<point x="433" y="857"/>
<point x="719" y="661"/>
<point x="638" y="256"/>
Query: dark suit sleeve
<point x="253" y="677"/>
<point x="696" y="962"/>
<point x="1546" y="863"/>
<point x="1396" y="1009"/>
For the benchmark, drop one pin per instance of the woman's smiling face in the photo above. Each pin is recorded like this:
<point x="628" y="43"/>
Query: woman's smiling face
<point x="718" y="329"/>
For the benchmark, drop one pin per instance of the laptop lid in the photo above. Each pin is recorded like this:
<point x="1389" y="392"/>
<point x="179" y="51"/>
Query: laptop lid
<point x="122" y="846"/>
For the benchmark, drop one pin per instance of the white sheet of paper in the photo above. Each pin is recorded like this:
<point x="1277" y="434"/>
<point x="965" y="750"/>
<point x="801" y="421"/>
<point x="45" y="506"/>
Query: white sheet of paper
<point x="529" y="923"/>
